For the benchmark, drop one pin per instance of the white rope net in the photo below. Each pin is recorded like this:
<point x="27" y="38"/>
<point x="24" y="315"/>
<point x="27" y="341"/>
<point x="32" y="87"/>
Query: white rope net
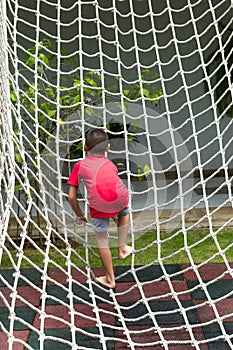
<point x="157" y="76"/>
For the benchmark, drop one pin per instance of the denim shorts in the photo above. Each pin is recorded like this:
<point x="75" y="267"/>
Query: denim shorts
<point x="102" y="225"/>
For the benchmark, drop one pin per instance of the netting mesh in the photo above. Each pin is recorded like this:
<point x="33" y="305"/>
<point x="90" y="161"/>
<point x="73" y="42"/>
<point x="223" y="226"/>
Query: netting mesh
<point x="157" y="77"/>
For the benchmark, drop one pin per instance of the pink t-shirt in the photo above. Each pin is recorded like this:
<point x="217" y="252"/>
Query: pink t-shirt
<point x="106" y="192"/>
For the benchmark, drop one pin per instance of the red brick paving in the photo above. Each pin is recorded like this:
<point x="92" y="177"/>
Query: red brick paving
<point x="205" y="312"/>
<point x="85" y="316"/>
<point x="144" y="334"/>
<point x="58" y="316"/>
<point x="17" y="345"/>
<point x="27" y="293"/>
<point x="207" y="271"/>
<point x="153" y="290"/>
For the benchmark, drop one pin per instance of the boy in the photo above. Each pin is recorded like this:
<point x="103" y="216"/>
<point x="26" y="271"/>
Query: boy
<point x="107" y="196"/>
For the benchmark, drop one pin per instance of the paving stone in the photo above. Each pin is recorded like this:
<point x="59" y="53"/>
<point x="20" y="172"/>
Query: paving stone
<point x="213" y="331"/>
<point x="25" y="317"/>
<point x="205" y="312"/>
<point x="19" y="337"/>
<point x="166" y="312"/>
<point x="163" y="305"/>
<point x="63" y="340"/>
<point x="25" y="294"/>
<point x="148" y="273"/>
<point x="207" y="271"/>
<point x="216" y="289"/>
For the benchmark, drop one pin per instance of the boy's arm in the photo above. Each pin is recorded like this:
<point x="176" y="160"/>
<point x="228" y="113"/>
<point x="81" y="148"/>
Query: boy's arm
<point x="72" y="196"/>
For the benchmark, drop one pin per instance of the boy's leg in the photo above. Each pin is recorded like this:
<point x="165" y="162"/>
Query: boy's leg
<point x="106" y="258"/>
<point x="123" y="227"/>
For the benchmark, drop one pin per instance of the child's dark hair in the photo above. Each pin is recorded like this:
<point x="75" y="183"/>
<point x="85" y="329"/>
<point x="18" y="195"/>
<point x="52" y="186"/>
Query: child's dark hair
<point x="96" y="141"/>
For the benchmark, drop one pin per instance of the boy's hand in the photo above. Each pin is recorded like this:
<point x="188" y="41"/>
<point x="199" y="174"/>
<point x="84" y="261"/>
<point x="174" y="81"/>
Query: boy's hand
<point x="115" y="218"/>
<point x="80" y="220"/>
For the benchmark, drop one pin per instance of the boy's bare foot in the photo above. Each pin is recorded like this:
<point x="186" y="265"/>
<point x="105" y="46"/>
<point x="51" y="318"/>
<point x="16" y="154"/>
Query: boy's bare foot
<point x="125" y="251"/>
<point x="103" y="280"/>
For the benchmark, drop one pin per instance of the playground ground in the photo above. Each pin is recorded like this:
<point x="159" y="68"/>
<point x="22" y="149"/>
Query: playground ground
<point x="204" y="326"/>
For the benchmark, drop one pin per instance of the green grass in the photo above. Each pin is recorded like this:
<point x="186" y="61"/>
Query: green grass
<point x="174" y="248"/>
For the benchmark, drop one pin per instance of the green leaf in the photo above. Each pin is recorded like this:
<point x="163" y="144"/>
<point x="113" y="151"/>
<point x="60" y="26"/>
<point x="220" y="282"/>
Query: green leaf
<point x="18" y="158"/>
<point x="79" y="146"/>
<point x="156" y="75"/>
<point x="50" y="91"/>
<point x="65" y="100"/>
<point x="89" y="111"/>
<point x="134" y="94"/>
<point x="62" y="124"/>
<point x="76" y="99"/>
<point x="13" y="96"/>
<point x="91" y="82"/>
<point x="146" y="93"/>
<point x="147" y="170"/>
<point x="130" y="137"/>
<point x="76" y="82"/>
<point x="41" y="119"/>
<point x="140" y="171"/>
<point x="46" y="42"/>
<point x="51" y="112"/>
<point x="39" y="69"/>
<point x="90" y="92"/>
<point x="18" y="187"/>
<point x="44" y="59"/>
<point x="136" y="126"/>
<point x="30" y="91"/>
<point x="30" y="61"/>
<point x="32" y="108"/>
<point x="32" y="50"/>
<point x="46" y="106"/>
<point x="145" y="71"/>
